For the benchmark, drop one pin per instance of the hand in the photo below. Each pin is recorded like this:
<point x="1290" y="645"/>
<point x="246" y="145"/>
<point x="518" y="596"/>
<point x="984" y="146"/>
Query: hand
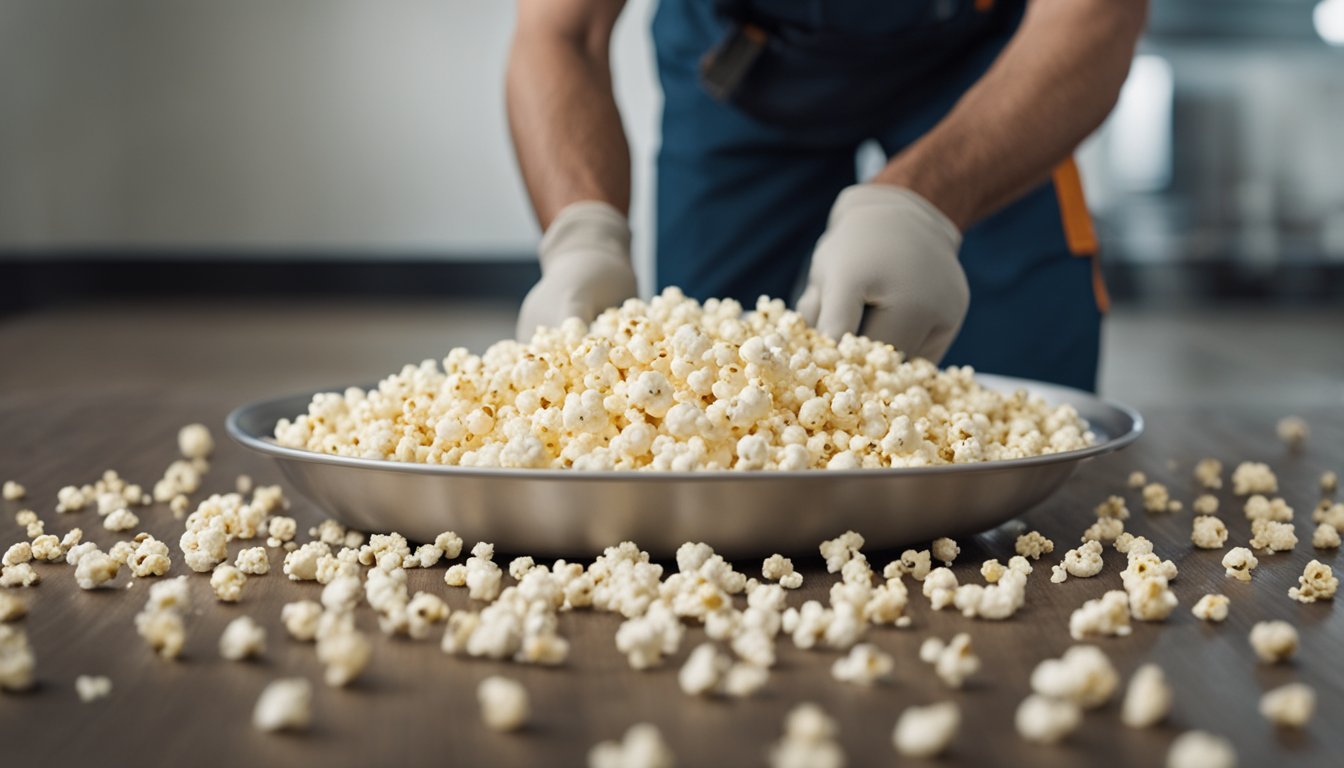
<point x="585" y="268"/>
<point x="891" y="252"/>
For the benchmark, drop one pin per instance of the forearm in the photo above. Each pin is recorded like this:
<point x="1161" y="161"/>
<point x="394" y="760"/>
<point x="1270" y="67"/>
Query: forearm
<point x="1054" y="83"/>
<point x="566" y="128"/>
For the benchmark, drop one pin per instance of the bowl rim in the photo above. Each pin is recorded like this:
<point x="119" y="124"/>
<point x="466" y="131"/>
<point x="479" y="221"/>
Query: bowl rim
<point x="1061" y="395"/>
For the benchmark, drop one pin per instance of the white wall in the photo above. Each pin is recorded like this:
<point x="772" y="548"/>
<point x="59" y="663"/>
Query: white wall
<point x="312" y="125"/>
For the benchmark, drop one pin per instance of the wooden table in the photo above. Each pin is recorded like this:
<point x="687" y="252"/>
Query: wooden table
<point x="417" y="706"/>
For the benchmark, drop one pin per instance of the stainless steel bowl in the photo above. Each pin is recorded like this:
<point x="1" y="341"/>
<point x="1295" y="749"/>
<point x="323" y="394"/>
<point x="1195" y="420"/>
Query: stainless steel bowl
<point x="741" y="514"/>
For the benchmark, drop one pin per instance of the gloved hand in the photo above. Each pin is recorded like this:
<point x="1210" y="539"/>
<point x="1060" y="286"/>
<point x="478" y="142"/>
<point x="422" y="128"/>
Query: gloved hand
<point x="585" y="268"/>
<point x="890" y="252"/>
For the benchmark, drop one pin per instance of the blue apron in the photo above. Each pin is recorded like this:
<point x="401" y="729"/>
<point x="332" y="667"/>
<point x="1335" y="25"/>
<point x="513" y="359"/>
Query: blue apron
<point x="746" y="176"/>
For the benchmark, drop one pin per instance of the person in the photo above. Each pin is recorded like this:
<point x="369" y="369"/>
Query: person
<point x="972" y="245"/>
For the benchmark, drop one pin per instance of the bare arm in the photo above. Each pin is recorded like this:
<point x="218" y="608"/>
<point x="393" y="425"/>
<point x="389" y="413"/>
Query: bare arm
<point x="1054" y="83"/>
<point x="566" y="129"/>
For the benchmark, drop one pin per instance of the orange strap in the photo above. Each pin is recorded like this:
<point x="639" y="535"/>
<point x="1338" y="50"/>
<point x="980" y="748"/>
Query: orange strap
<point x="983" y="5"/>
<point x="1078" y="230"/>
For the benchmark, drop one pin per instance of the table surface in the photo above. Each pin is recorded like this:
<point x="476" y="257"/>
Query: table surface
<point x="415" y="705"/>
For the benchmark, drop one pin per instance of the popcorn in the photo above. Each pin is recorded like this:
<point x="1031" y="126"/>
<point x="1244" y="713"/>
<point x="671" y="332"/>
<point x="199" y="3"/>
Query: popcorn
<point x="424" y="612"/>
<point x="1044" y="720"/>
<point x="227" y="582"/>
<point x="95" y="569"/>
<point x="780" y="568"/>
<point x="301" y="619"/>
<point x="642" y="747"/>
<point x="1137" y="479"/>
<point x="1239" y="562"/>
<point x="1157" y="499"/>
<point x="945" y="550"/>
<point x="992" y="570"/>
<point x="504" y="703"/>
<point x="242" y="639"/>
<point x="253" y="561"/>
<point x="953" y="661"/>
<point x="940" y="586"/>
<point x="915" y="564"/>
<point x="1293" y="431"/>
<point x="864" y="665"/>
<point x="163" y="630"/>
<point x="345" y="653"/>
<point x="1082" y="676"/>
<point x="16" y="660"/>
<point x="1147" y="699"/>
<point x="121" y="520"/>
<point x="1289" y="706"/>
<point x="11" y="607"/>
<point x="284" y="705"/>
<point x="449" y="543"/>
<point x="744" y="679"/>
<point x="808" y="742"/>
<point x="1254" y="477"/>
<point x="702" y="671"/>
<point x="840" y="550"/>
<point x="1329" y="482"/>
<point x="47" y="547"/>
<point x="36" y="529"/>
<point x="1259" y="507"/>
<point x="1198" y="749"/>
<point x="21" y="552"/>
<point x="1209" y="474"/>
<point x="18" y="575"/>
<point x="1107" y="615"/>
<point x="91" y="688"/>
<point x="1083" y="562"/>
<point x="301" y="564"/>
<point x="205" y="547"/>
<point x="71" y="499"/>
<point x="194" y="441"/>
<point x="1329" y="513"/>
<point x="25" y="517"/>
<point x="1211" y="608"/>
<point x="1317" y="582"/>
<point x="1150" y="599"/>
<point x="1033" y="545"/>
<point x="646" y="639"/>
<point x="1325" y="537"/>
<point x="1206" y="504"/>
<point x="1104" y="530"/>
<point x="925" y="732"/>
<point x="1273" y="641"/>
<point x="280" y="529"/>
<point x="1207" y="532"/>
<point x="1272" y="536"/>
<point x="13" y="491"/>
<point x="723" y="401"/>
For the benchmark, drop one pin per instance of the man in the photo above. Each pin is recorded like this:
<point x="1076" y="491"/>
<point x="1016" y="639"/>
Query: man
<point x="972" y="245"/>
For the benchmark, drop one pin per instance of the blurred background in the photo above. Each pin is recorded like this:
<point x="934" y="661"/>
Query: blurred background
<point x="346" y="164"/>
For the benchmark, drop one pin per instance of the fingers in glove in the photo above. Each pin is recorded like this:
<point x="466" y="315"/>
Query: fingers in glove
<point x="809" y="304"/>
<point x="841" y="310"/>
<point x="896" y="326"/>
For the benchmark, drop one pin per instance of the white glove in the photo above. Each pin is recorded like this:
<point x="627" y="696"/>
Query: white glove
<point x="585" y="268"/>
<point x="890" y="252"/>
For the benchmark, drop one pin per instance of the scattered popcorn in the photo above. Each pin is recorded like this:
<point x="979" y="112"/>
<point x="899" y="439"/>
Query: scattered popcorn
<point x="924" y="732"/>
<point x="47" y="547"/>
<point x="915" y="564"/>
<point x="675" y="385"/>
<point x="864" y="665"/>
<point x="301" y="619"/>
<point x="702" y="671"/>
<point x="780" y="568"/>
<point x="1033" y="545"/>
<point x="91" y="688"/>
<point x="1157" y="499"/>
<point x="1150" y="599"/>
<point x="1325" y="537"/>
<point x="992" y="570"/>
<point x="808" y="742"/>
<point x="1106" y="616"/>
<point x="642" y="747"/>
<point x="1211" y="608"/>
<point x="744" y="679"/>
<point x="455" y="576"/>
<point x="1137" y="479"/>
<point x="160" y="623"/>
<point x="1045" y="720"/>
<point x="1317" y="582"/>
<point x="840" y="550"/>
<point x="36" y="529"/>
<point x="178" y="505"/>
<point x="1254" y="477"/>
<point x="12" y="491"/>
<point x="1206" y="504"/>
<point x="1329" y="513"/>
<point x="95" y="569"/>
<point x="205" y="547"/>
<point x="1113" y="507"/>
<point x="1293" y="431"/>
<point x="16" y="660"/>
<point x="1198" y="749"/>
<point x="1104" y="530"/>
<point x="195" y="442"/>
<point x="71" y="499"/>
<point x="301" y="564"/>
<point x="11" y="607"/>
<point x="253" y="561"/>
<point x="1209" y="474"/>
<point x="1083" y="676"/>
<point x="227" y="582"/>
<point x="147" y="557"/>
<point x="1289" y="706"/>
<point x="945" y="550"/>
<point x="1259" y="507"/>
<point x="280" y="529"/>
<point x="1208" y="532"/>
<point x="1272" y="536"/>
<point x="1083" y="562"/>
<point x="953" y="661"/>
<point x="1329" y="482"/>
<point x="345" y="653"/>
<point x="25" y="517"/>
<point x="285" y="705"/>
<point x="21" y="552"/>
<point x="424" y="612"/>
<point x="504" y="703"/>
<point x="242" y="639"/>
<point x="18" y="575"/>
<point x="1147" y="699"/>
<point x="1239" y="562"/>
<point x="121" y="520"/>
<point x="1273" y="641"/>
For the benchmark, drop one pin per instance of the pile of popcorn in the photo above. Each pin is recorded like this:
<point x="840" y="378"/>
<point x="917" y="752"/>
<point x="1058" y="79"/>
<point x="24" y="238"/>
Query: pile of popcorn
<point x="675" y="385"/>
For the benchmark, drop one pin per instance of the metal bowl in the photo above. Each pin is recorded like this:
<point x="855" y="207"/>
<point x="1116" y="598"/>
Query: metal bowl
<point x="577" y="513"/>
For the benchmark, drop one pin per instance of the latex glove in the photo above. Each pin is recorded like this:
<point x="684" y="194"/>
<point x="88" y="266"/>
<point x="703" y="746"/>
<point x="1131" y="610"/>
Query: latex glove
<point x="585" y="268"/>
<point x="887" y="268"/>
